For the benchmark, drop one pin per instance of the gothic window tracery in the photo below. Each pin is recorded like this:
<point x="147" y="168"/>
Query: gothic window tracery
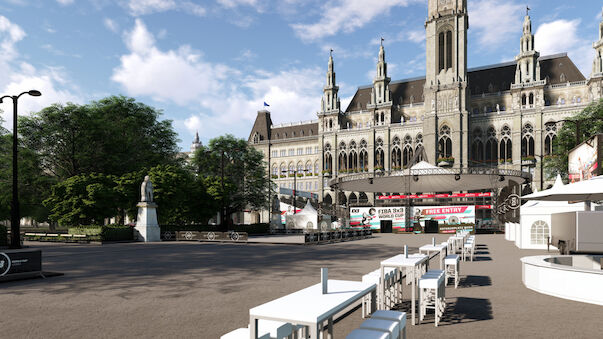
<point x="491" y="146"/>
<point x="379" y="154"/>
<point x="549" y="139"/>
<point x="445" y="142"/>
<point x="506" y="149"/>
<point x="407" y="154"/>
<point x="418" y="146"/>
<point x="527" y="141"/>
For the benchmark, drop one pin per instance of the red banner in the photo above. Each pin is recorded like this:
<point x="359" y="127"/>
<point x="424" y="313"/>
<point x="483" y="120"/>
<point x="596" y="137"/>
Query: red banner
<point x="439" y="196"/>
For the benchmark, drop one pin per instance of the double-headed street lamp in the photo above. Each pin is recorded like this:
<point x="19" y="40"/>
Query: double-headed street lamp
<point x="15" y="218"/>
<point x="294" y="186"/>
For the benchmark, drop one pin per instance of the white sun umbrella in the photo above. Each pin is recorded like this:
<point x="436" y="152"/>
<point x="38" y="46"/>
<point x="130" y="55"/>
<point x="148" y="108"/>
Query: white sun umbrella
<point x="587" y="191"/>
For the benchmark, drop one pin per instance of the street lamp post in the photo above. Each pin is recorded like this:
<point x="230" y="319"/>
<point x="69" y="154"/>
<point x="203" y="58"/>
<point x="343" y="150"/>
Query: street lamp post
<point x="15" y="218"/>
<point x="294" y="188"/>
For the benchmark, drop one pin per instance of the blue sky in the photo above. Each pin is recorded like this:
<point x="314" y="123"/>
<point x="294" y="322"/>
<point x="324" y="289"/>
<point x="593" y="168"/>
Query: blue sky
<point x="210" y="65"/>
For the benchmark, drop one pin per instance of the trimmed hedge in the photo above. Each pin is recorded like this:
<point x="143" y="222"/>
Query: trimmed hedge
<point x="3" y="236"/>
<point x="105" y="233"/>
<point x="250" y="229"/>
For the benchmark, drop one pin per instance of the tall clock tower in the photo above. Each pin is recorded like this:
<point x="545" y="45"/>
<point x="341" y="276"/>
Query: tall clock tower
<point x="446" y="116"/>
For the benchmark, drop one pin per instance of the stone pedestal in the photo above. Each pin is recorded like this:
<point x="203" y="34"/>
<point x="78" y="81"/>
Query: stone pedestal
<point x="147" y="228"/>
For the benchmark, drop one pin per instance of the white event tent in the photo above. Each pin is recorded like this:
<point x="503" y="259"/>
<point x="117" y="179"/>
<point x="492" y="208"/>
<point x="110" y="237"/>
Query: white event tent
<point x="535" y="226"/>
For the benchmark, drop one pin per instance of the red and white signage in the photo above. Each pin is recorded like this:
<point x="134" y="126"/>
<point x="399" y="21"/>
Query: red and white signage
<point x="431" y="196"/>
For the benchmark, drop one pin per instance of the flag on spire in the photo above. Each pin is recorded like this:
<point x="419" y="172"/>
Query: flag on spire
<point x="266" y="105"/>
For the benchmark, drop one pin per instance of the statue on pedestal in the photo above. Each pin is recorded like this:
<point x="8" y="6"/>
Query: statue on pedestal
<point x="147" y="227"/>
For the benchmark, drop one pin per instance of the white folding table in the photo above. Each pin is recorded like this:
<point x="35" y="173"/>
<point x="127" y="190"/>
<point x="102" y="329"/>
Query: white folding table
<point x="441" y="249"/>
<point x="309" y="307"/>
<point x="414" y="262"/>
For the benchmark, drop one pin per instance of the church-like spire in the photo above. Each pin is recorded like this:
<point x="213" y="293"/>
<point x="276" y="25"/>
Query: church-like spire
<point x="196" y="143"/>
<point x="598" y="46"/>
<point x="528" y="66"/>
<point x="330" y="100"/>
<point x="380" y="93"/>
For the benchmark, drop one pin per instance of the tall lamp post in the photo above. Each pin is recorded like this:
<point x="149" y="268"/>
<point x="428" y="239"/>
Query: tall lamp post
<point x="15" y="218"/>
<point x="294" y="187"/>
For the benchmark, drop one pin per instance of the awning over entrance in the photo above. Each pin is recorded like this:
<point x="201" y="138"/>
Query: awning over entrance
<point x="424" y="177"/>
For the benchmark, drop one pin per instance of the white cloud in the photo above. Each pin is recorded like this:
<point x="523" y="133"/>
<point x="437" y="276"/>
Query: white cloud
<point x="497" y="20"/>
<point x="562" y="36"/>
<point x="236" y="3"/>
<point x="19" y="77"/>
<point x="225" y="99"/>
<point x="143" y="7"/>
<point x="111" y="25"/>
<point x="345" y="16"/>
<point x="65" y="2"/>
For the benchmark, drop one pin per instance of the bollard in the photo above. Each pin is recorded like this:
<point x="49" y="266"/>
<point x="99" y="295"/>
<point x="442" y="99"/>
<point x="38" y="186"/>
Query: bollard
<point x="433" y="241"/>
<point x="324" y="279"/>
<point x="406" y="251"/>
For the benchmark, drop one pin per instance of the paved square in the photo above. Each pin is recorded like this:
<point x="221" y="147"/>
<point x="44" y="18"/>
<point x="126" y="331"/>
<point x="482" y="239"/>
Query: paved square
<point x="203" y="290"/>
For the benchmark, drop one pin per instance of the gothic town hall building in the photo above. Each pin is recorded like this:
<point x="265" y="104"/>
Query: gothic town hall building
<point x="500" y="115"/>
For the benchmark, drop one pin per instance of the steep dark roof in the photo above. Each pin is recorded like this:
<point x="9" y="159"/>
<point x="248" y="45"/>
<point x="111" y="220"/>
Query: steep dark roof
<point x="262" y="126"/>
<point x="487" y="79"/>
<point x="296" y="131"/>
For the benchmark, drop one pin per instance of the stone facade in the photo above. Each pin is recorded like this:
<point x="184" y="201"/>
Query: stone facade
<point x="503" y="115"/>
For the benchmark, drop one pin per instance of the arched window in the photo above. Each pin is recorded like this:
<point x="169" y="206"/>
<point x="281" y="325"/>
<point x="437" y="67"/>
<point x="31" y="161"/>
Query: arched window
<point x="419" y="144"/>
<point x="283" y="169"/>
<point x="491" y="147"/>
<point x="309" y="167"/>
<point x="523" y="100"/>
<point x="445" y="50"/>
<point x="549" y="139"/>
<point x="531" y="99"/>
<point x="396" y="157"/>
<point x="445" y="143"/>
<point x="300" y="168"/>
<point x="407" y="153"/>
<point x="291" y="168"/>
<point x="274" y="170"/>
<point x="506" y="146"/>
<point x="379" y="154"/>
<point x="353" y="198"/>
<point x="527" y="141"/>
<point x="363" y="157"/>
<point x="539" y="233"/>
<point x="477" y="147"/>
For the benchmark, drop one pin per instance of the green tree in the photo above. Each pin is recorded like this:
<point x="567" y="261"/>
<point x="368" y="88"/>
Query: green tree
<point x="182" y="198"/>
<point x="33" y="183"/>
<point x="581" y="127"/>
<point x="83" y="199"/>
<point x="234" y="174"/>
<point x="115" y="135"/>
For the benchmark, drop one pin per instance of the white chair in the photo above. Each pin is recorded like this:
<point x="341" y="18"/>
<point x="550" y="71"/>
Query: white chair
<point x="362" y="333"/>
<point x="468" y="250"/>
<point x="451" y="268"/>
<point x="432" y="294"/>
<point x="400" y="317"/>
<point x="390" y="326"/>
<point x="389" y="286"/>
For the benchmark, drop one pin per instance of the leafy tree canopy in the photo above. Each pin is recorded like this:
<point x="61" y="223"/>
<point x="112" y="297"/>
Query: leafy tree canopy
<point x="113" y="136"/>
<point x="235" y="173"/>
<point x="580" y="128"/>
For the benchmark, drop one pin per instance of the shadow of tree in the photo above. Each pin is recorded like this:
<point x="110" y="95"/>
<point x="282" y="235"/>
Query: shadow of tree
<point x="475" y="281"/>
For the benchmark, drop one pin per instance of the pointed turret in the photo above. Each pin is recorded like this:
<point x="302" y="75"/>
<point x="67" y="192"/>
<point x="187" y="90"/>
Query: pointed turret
<point x="380" y="93"/>
<point x="330" y="99"/>
<point x="528" y="66"/>
<point x="196" y="143"/>
<point x="598" y="46"/>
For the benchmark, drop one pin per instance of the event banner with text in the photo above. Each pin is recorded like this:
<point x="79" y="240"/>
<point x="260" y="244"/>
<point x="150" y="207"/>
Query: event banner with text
<point x="449" y="218"/>
<point x="372" y="216"/>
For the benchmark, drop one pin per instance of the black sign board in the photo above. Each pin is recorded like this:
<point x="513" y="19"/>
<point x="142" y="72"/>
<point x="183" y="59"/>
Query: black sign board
<point x="20" y="262"/>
